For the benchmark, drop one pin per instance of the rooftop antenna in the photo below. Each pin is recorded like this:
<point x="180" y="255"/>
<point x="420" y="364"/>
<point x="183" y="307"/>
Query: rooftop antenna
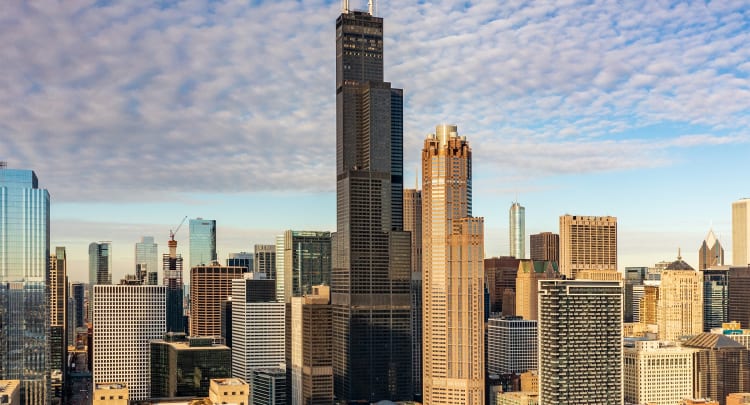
<point x="371" y="7"/>
<point x="3" y="164"/>
<point x="345" y="6"/>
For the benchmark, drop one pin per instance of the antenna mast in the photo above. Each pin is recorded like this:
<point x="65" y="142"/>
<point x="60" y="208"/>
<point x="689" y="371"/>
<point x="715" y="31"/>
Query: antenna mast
<point x="345" y="6"/>
<point x="371" y="7"/>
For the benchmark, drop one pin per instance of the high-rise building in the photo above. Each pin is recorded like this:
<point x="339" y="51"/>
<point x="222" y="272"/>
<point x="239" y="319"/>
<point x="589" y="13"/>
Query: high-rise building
<point x="307" y="262"/>
<point x="681" y="301"/>
<point x="257" y="326"/>
<point x="126" y="319"/>
<point x="172" y="263"/>
<point x="633" y="292"/>
<point x="269" y="386"/>
<point x="265" y="260"/>
<point x="241" y="259"/>
<point x="78" y="294"/>
<point x="649" y="305"/>
<point x="580" y="342"/>
<point x="280" y="287"/>
<point x="100" y="269"/>
<point x="721" y="366"/>
<point x="500" y="276"/>
<point x="312" y="368"/>
<point x="202" y="242"/>
<point x="209" y="287"/>
<point x="146" y="256"/>
<point x="545" y="246"/>
<point x="587" y="243"/>
<point x="453" y="258"/>
<point x="527" y="285"/>
<point x="517" y="226"/>
<point x="58" y="300"/>
<point x="183" y="366"/>
<point x="741" y="232"/>
<point x="711" y="253"/>
<point x="24" y="267"/>
<point x="738" y="307"/>
<point x="413" y="224"/>
<point x="511" y="345"/>
<point x="657" y="372"/>
<point x="715" y="297"/>
<point x="370" y="280"/>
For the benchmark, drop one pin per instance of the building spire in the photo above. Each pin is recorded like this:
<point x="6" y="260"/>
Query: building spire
<point x="679" y="254"/>
<point x="371" y="7"/>
<point x="345" y="6"/>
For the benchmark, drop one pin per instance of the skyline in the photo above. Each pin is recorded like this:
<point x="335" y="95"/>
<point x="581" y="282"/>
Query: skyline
<point x="587" y="109"/>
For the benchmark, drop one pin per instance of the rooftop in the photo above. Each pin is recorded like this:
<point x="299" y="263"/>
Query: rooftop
<point x="714" y="341"/>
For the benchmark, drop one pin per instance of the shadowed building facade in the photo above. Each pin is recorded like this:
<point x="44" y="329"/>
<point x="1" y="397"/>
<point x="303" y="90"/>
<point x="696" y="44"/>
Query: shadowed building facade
<point x="545" y="246"/>
<point x="413" y="224"/>
<point x="500" y="276"/>
<point x="721" y="366"/>
<point x="711" y="253"/>
<point x="370" y="281"/>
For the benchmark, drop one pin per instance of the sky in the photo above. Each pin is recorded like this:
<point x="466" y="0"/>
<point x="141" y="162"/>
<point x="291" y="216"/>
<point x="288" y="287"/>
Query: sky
<point x="136" y="114"/>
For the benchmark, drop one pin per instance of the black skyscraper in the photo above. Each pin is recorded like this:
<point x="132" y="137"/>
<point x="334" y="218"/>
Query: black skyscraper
<point x="371" y="265"/>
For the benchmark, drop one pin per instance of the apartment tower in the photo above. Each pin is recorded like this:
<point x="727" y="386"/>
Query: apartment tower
<point x="370" y="281"/>
<point x="545" y="246"/>
<point x="711" y="253"/>
<point x="453" y="259"/>
<point x="517" y="226"/>
<point x="587" y="243"/>
<point x="741" y="232"/>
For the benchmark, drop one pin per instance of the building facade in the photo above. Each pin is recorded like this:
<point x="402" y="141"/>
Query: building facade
<point x="209" y="287"/>
<point x="657" y="372"/>
<point x="680" y="306"/>
<point x="413" y="224"/>
<point x="371" y="272"/>
<point x="265" y="260"/>
<point x="741" y="233"/>
<point x="172" y="264"/>
<point x="453" y="259"/>
<point x="721" y="366"/>
<point x="241" y="259"/>
<point x="511" y="345"/>
<point x="715" y="297"/>
<point x="58" y="307"/>
<point x="146" y="255"/>
<point x="517" y="227"/>
<point x="545" y="246"/>
<point x="738" y="308"/>
<point x="711" y="253"/>
<point x="311" y="360"/>
<point x="100" y="269"/>
<point x="269" y="386"/>
<point x="202" y="242"/>
<point x="527" y="286"/>
<point x="587" y="243"/>
<point x="500" y="276"/>
<point x="307" y="262"/>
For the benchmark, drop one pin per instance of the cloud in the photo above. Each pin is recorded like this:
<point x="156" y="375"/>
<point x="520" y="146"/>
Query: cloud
<point x="131" y="100"/>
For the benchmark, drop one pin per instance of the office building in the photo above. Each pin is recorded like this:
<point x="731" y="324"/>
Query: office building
<point x="413" y="224"/>
<point x="172" y="264"/>
<point x="78" y="294"/>
<point x="100" y="269"/>
<point x="209" y="287"/>
<point x="633" y="291"/>
<point x="307" y="263"/>
<point x="649" y="305"/>
<point x="229" y="391"/>
<point x="527" y="285"/>
<point x="269" y="386"/>
<point x="146" y="257"/>
<point x="453" y="258"/>
<point x="715" y="297"/>
<point x="265" y="260"/>
<point x="545" y="246"/>
<point x="202" y="242"/>
<point x="580" y="342"/>
<point x="738" y="307"/>
<point x="183" y="366"/>
<point x="741" y="233"/>
<point x="681" y="301"/>
<point x="257" y="326"/>
<point x="241" y="259"/>
<point x="734" y="331"/>
<point x="10" y="392"/>
<point x="58" y="300"/>
<point x="370" y="280"/>
<point x="311" y="360"/>
<point x="657" y="372"/>
<point x="721" y="366"/>
<point x="517" y="226"/>
<point x="126" y="319"/>
<point x="109" y="393"/>
<point x="711" y="253"/>
<point x="70" y="322"/>
<point x="24" y="267"/>
<point x="517" y="398"/>
<point x="511" y="345"/>
<point x="500" y="276"/>
<point x="587" y="243"/>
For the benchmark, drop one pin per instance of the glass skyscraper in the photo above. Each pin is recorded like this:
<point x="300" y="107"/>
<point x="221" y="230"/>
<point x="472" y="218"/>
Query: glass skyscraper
<point x="202" y="242"/>
<point x="24" y="309"/>
<point x="100" y="269"/>
<point x="146" y="256"/>
<point x="517" y="222"/>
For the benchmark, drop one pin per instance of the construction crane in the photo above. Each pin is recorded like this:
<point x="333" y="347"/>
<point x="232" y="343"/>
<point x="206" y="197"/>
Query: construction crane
<point x="172" y="233"/>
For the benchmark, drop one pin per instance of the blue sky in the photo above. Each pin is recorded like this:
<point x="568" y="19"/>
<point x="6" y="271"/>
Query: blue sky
<point x="134" y="114"/>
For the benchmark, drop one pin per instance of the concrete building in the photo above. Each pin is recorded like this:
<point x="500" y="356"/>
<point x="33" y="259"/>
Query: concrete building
<point x="721" y="366"/>
<point x="738" y="307"/>
<point x="10" y="392"/>
<point x="229" y="391"/>
<point x="265" y="260"/>
<point x="209" y="287"/>
<point x="715" y="297"/>
<point x="511" y="345"/>
<point x="545" y="246"/>
<point x="741" y="232"/>
<point x="269" y="386"/>
<point x="657" y="372"/>
<point x="738" y="398"/>
<point x="530" y="381"/>
<point x="413" y="224"/>
<point x="183" y="366"/>
<point x="257" y="326"/>
<point x="202" y="242"/>
<point x="453" y="259"/>
<point x="580" y="342"/>
<point x="311" y="360"/>
<point x="587" y="243"/>
<point x="711" y="253"/>
<point x="527" y="285"/>
<point x="126" y="319"/>
<point x="517" y="227"/>
<point x="111" y="394"/>
<point x="680" y="306"/>
<point x="500" y="276"/>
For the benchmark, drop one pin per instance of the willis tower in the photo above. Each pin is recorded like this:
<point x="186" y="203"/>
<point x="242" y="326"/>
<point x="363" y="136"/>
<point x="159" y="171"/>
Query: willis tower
<point x="371" y="268"/>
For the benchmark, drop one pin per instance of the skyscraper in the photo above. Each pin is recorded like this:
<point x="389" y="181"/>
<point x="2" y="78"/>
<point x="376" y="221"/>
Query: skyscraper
<point x="413" y="224"/>
<point x="24" y="263"/>
<point x="312" y="369"/>
<point x="58" y="300"/>
<point x="587" y="243"/>
<point x="146" y="255"/>
<point x="100" y="269"/>
<point x="517" y="226"/>
<point x="172" y="263"/>
<point x="307" y="262"/>
<point x="545" y="246"/>
<point x="511" y="345"/>
<point x="77" y="291"/>
<point x="500" y="276"/>
<point x="711" y="253"/>
<point x="741" y="232"/>
<point x="721" y="366"/>
<point x="681" y="304"/>
<point x="738" y="308"/>
<point x="527" y="285"/>
<point x="370" y="281"/>
<point x="209" y="287"/>
<point x="453" y="259"/>
<point x="241" y="259"/>
<point x="265" y="260"/>
<point x="202" y="242"/>
<point x="715" y="297"/>
<point x="580" y="342"/>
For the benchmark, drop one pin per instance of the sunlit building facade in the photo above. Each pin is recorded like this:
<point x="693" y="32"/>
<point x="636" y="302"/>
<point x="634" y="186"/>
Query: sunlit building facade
<point x="202" y="242"/>
<point x="517" y="226"/>
<point x="587" y="243"/>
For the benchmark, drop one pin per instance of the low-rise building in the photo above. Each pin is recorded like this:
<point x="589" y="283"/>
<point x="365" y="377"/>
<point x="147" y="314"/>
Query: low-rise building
<point x="657" y="372"/>
<point x="110" y="394"/>
<point x="229" y="391"/>
<point x="10" y="392"/>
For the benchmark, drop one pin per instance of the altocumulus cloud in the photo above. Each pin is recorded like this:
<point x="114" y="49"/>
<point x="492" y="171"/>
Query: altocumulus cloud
<point x="132" y="99"/>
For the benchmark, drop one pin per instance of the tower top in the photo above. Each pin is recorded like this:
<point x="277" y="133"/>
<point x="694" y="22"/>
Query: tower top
<point x="370" y="7"/>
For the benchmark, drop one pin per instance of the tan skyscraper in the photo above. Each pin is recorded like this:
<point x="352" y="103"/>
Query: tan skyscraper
<point x="527" y="285"/>
<point x="587" y="243"/>
<point x="209" y="286"/>
<point x="741" y="232"/>
<point x="312" y="367"/>
<point x="680" y="307"/>
<point x="453" y="269"/>
<point x="711" y="253"/>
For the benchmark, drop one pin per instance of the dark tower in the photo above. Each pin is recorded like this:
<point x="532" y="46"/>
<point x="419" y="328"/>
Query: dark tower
<point x="172" y="263"/>
<point x="370" y="279"/>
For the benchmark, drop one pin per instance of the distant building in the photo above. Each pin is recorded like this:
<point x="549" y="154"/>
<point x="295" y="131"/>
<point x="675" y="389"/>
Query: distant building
<point x="511" y="345"/>
<point x="307" y="263"/>
<point x="715" y="297"/>
<point x="269" y="386"/>
<point x="738" y="308"/>
<point x="545" y="246"/>
<point x="111" y="394"/>
<point x="10" y="392"/>
<point x="58" y="307"/>
<point x="229" y="391"/>
<point x="530" y="381"/>
<point x="265" y="260"/>
<point x="527" y="285"/>
<point x="587" y="243"/>
<point x="699" y="401"/>
<point x="241" y="259"/>
<point x="680" y="307"/>
<point x="147" y="257"/>
<point x="711" y="253"/>
<point x="172" y="266"/>
<point x="518" y="398"/>
<point x="78" y="294"/>
<point x="202" y="242"/>
<point x="517" y="227"/>
<point x="649" y="305"/>
<point x="721" y="366"/>
<point x="500" y="276"/>
<point x="657" y="372"/>
<point x="741" y="232"/>
<point x="413" y="224"/>
<point x="100" y="269"/>
<point x="209" y="287"/>
<point x="311" y="362"/>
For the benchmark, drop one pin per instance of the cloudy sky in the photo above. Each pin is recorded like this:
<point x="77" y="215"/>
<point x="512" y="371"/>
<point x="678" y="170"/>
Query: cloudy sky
<point x="135" y="114"/>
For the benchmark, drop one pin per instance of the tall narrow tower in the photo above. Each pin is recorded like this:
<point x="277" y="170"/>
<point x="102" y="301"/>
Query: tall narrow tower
<point x="371" y="269"/>
<point x="517" y="220"/>
<point x="172" y="263"/>
<point x="453" y="271"/>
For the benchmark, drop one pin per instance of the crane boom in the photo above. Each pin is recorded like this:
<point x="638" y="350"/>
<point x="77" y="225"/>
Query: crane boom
<point x="172" y="233"/>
